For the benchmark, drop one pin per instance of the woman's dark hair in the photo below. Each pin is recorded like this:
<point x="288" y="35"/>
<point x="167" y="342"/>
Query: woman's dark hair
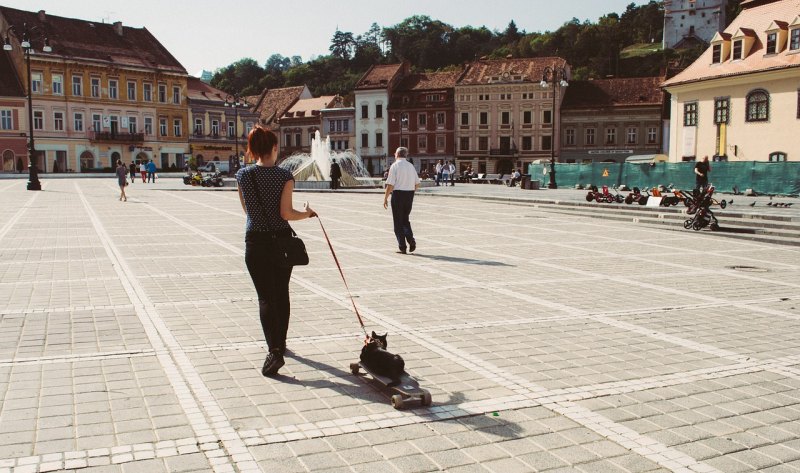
<point x="260" y="142"/>
<point x="119" y="162"/>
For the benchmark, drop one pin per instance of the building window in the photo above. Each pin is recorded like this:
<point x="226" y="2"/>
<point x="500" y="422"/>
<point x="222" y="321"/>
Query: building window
<point x="777" y="156"/>
<point x="505" y="118"/>
<point x="248" y="127"/>
<point x="589" y="136"/>
<point x="58" y="84"/>
<point x="716" y="54"/>
<point x="148" y="125"/>
<point x="58" y="121"/>
<point x="231" y="129"/>
<point x="162" y="126"/>
<point x="36" y="82"/>
<point x="758" y="106"/>
<point x="652" y="135"/>
<point x="365" y="140"/>
<point x="133" y="126"/>
<point x="6" y="122"/>
<point x="465" y="118"/>
<point x="177" y="127"/>
<point x="794" y="43"/>
<point x="38" y="120"/>
<point x="97" y="122"/>
<point x="198" y="126"/>
<point x="422" y="120"/>
<point x="112" y="88"/>
<point x="378" y="110"/>
<point x="483" y="143"/>
<point x="772" y="43"/>
<point x="441" y="143"/>
<point x="722" y="107"/>
<point x="365" y="111"/>
<point x="77" y="85"/>
<point x="162" y="93"/>
<point x="547" y="117"/>
<point x="633" y="136"/>
<point x="147" y="92"/>
<point x="404" y="140"/>
<point x="463" y="143"/>
<point x="737" y="49"/>
<point x="95" y="81"/>
<point x="483" y="118"/>
<point x="78" y="122"/>
<point x="287" y="140"/>
<point x="569" y="136"/>
<point x="422" y="144"/>
<point x="690" y="114"/>
<point x="404" y="121"/>
<point x="440" y="119"/>
<point x="611" y="136"/>
<point x="176" y="95"/>
<point x="547" y="142"/>
<point x="379" y="140"/>
<point x="298" y="139"/>
<point x="215" y="127"/>
<point x="131" y="90"/>
<point x="527" y="143"/>
<point x="527" y="117"/>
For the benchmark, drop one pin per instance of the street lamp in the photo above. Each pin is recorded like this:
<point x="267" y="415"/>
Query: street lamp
<point x="235" y="102"/>
<point x="27" y="48"/>
<point x="557" y="76"/>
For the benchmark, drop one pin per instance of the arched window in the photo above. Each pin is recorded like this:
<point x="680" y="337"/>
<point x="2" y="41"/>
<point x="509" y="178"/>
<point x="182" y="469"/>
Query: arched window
<point x="777" y="156"/>
<point x="758" y="106"/>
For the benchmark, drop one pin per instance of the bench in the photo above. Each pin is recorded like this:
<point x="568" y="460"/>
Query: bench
<point x="491" y="179"/>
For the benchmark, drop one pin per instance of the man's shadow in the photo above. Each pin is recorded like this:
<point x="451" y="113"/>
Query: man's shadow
<point x="454" y="259"/>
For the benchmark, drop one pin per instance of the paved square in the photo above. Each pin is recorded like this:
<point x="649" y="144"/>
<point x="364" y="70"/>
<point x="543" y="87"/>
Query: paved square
<point x="130" y="341"/>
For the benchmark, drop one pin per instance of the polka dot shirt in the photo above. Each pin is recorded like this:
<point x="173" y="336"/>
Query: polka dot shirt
<point x="263" y="215"/>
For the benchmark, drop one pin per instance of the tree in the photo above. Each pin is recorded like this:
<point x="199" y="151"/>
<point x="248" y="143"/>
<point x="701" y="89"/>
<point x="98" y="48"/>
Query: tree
<point x="277" y="62"/>
<point x="342" y="44"/>
<point x="240" y="77"/>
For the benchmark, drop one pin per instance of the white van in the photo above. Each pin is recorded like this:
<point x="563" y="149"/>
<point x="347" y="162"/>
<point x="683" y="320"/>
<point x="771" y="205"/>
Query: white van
<point x="215" y="166"/>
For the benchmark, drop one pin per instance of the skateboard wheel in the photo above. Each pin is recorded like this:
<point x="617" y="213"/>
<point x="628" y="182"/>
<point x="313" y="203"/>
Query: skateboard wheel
<point x="354" y="368"/>
<point x="426" y="399"/>
<point x="397" y="401"/>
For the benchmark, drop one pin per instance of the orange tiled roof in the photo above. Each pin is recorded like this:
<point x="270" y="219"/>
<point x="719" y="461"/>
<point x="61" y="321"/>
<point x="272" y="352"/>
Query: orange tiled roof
<point x="623" y="92"/>
<point x="199" y="90"/>
<point x="757" y="17"/>
<point x="273" y="103"/>
<point x="305" y="107"/>
<point x="80" y="39"/>
<point x="487" y="71"/>
<point x="378" y="77"/>
<point x="430" y="81"/>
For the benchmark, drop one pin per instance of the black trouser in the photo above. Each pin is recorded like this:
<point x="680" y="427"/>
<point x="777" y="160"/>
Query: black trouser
<point x="334" y="183"/>
<point x="272" y="286"/>
<point x="401" y="209"/>
<point x="151" y="175"/>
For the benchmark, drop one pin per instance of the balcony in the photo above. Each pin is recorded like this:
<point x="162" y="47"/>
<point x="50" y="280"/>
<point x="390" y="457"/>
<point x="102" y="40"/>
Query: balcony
<point x="503" y="152"/>
<point x="116" y="137"/>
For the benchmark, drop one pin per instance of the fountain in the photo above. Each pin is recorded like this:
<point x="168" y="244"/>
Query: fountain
<point x="313" y="171"/>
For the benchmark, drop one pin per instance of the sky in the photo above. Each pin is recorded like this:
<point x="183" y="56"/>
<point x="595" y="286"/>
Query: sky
<point x="209" y="34"/>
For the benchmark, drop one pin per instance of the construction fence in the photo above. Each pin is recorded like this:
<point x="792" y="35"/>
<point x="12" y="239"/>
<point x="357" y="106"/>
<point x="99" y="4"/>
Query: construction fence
<point x="774" y="178"/>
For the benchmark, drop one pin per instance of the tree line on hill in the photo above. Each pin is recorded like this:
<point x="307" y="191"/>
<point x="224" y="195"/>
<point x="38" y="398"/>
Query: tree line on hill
<point x="594" y="49"/>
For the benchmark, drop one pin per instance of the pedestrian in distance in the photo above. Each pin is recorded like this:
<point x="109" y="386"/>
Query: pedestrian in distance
<point x="439" y="167"/>
<point x="265" y="192"/>
<point x="151" y="171"/>
<point x="452" y="168"/>
<point x="445" y="173"/>
<point x="401" y="184"/>
<point x="336" y="174"/>
<point x="122" y="180"/>
<point x="701" y="170"/>
<point x="132" y="171"/>
<point x="143" y="171"/>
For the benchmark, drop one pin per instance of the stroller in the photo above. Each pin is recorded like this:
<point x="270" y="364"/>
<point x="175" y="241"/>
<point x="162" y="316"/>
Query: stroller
<point x="700" y="208"/>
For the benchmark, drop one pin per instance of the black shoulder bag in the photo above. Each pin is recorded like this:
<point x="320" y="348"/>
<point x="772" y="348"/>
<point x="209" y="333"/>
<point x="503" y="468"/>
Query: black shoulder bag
<point x="287" y="250"/>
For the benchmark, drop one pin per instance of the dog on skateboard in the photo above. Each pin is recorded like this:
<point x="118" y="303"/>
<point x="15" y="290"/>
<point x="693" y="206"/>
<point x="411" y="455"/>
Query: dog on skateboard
<point x="375" y="356"/>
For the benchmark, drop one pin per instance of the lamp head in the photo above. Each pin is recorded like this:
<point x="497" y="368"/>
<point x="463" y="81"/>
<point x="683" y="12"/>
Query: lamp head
<point x="46" y="48"/>
<point x="543" y="83"/>
<point x="25" y="44"/>
<point x="564" y="83"/>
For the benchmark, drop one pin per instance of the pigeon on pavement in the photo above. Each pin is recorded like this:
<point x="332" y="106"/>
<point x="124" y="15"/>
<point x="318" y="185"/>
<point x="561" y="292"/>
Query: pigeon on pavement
<point x="753" y="204"/>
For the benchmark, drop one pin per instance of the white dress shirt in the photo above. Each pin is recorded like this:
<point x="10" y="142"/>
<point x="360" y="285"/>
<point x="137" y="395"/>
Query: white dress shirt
<point x="403" y="175"/>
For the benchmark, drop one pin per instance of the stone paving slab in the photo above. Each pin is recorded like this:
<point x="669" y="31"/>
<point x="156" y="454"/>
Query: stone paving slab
<point x="129" y="339"/>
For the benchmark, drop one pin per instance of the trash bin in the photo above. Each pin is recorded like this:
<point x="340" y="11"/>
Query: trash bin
<point x="524" y="181"/>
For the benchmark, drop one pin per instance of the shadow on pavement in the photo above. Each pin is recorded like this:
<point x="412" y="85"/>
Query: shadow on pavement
<point x="453" y="259"/>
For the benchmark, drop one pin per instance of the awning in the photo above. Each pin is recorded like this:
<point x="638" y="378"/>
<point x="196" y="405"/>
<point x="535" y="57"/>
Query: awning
<point x="647" y="158"/>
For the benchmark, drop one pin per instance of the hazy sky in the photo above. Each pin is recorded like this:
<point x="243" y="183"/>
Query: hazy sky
<point x="206" y="34"/>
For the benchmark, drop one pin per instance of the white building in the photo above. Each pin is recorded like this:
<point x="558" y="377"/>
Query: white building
<point x="688" y="22"/>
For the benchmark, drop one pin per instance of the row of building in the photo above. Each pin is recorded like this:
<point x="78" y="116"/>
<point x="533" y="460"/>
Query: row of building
<point x="117" y="93"/>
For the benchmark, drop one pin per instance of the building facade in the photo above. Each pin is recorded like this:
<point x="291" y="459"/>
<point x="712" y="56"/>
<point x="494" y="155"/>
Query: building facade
<point x="116" y="95"/>
<point x="372" y="94"/>
<point x="691" y="22"/>
<point x="299" y="125"/>
<point x="219" y="131"/>
<point x="503" y="114"/>
<point x="338" y="124"/>
<point x="740" y="101"/>
<point x="422" y="117"/>
<point x="13" y="119"/>
<point x="611" y="119"/>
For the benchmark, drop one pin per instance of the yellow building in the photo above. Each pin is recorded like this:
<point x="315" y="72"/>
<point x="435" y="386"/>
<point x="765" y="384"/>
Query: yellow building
<point x="740" y="101"/>
<point x="105" y="92"/>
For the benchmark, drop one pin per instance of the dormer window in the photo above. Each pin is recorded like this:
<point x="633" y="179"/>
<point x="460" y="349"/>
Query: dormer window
<point x="794" y="43"/>
<point x="772" y="43"/>
<point x="737" y="50"/>
<point x="716" y="54"/>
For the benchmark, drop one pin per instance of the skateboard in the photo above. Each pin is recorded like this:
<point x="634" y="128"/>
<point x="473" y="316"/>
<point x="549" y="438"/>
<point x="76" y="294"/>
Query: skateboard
<point x="407" y="390"/>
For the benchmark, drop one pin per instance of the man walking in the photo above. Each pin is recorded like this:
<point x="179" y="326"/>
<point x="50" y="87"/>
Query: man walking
<point x="452" y="168"/>
<point x="132" y="169"/>
<point x="701" y="170"/>
<point x="336" y="174"/>
<point x="401" y="184"/>
<point x="151" y="171"/>
<point x="439" y="167"/>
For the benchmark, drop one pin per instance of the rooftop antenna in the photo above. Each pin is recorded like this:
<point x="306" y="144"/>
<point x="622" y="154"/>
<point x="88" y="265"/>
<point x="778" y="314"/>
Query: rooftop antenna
<point x="107" y="16"/>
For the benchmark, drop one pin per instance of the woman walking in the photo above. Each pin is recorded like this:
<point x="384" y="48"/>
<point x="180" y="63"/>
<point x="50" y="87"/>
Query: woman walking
<point x="122" y="180"/>
<point x="265" y="191"/>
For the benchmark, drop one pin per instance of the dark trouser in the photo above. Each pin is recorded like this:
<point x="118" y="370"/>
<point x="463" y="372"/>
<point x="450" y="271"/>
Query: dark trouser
<point x="334" y="183"/>
<point x="701" y="182"/>
<point x="272" y="286"/>
<point x="151" y="175"/>
<point x="401" y="209"/>
<point x="438" y="178"/>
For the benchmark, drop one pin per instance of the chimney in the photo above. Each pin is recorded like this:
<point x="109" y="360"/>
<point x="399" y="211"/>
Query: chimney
<point x="42" y="16"/>
<point x="118" y="27"/>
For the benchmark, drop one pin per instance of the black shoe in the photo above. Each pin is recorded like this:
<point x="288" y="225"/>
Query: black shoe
<point x="412" y="246"/>
<point x="273" y="363"/>
<point x="402" y="251"/>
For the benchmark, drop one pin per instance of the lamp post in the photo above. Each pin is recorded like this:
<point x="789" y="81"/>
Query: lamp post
<point x="403" y="122"/>
<point x="27" y="48"/>
<point x="556" y="75"/>
<point x="235" y="102"/>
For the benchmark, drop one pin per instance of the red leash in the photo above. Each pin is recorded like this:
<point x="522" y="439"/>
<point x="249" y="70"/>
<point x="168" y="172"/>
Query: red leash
<point x="333" y="253"/>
